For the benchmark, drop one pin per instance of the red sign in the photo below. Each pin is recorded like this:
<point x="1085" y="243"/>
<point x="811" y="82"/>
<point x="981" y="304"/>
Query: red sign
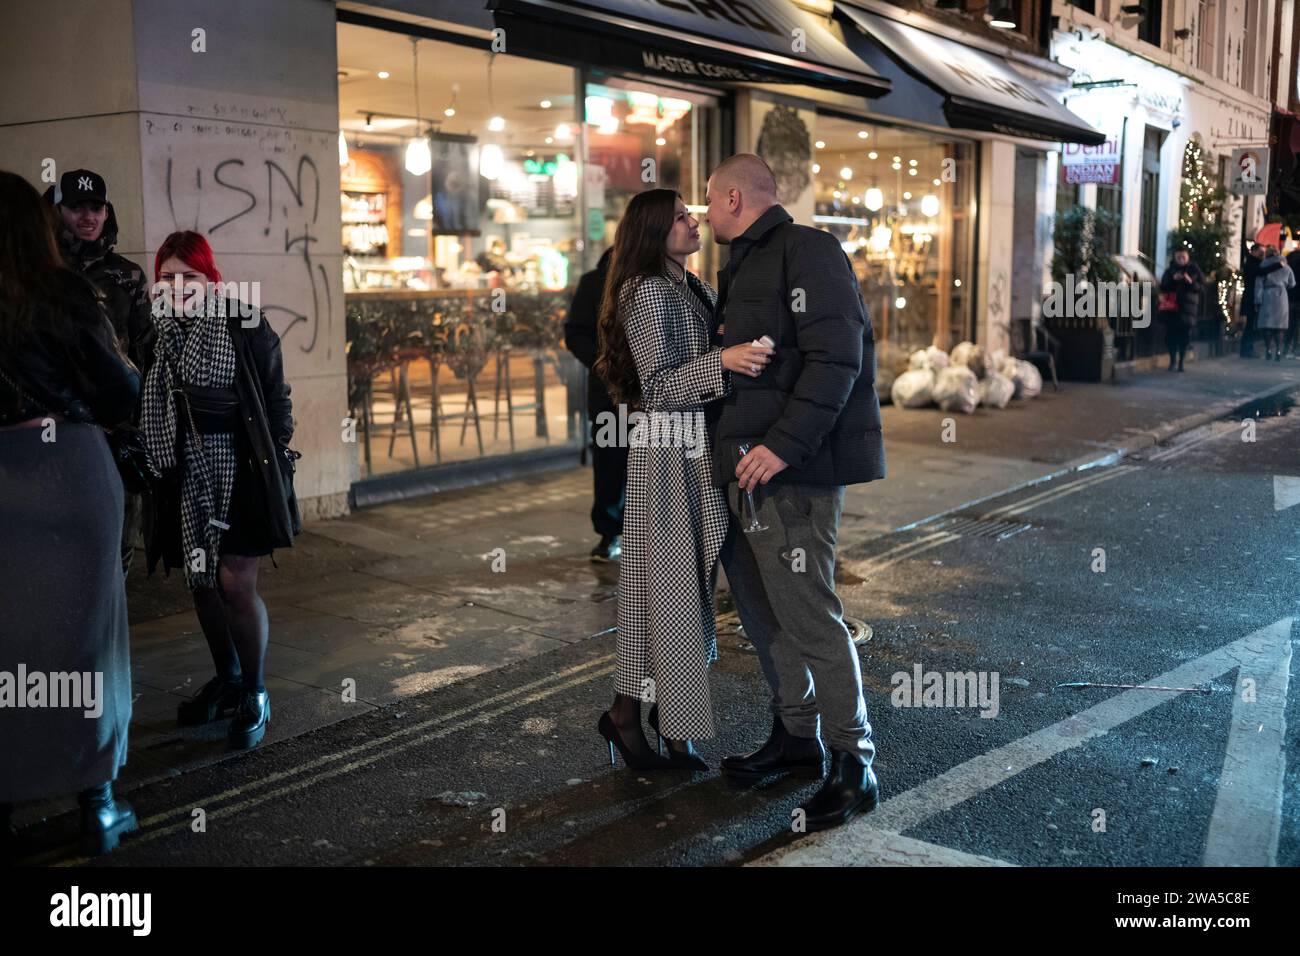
<point x="1080" y="173"/>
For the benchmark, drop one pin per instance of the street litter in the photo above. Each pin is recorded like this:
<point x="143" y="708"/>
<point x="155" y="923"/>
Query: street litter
<point x="1205" y="689"/>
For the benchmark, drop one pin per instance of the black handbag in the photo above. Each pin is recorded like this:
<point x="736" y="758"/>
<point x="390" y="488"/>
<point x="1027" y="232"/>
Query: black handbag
<point x="125" y="444"/>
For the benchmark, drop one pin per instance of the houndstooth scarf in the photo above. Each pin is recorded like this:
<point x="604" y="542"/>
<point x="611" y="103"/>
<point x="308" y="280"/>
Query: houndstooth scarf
<point x="197" y="351"/>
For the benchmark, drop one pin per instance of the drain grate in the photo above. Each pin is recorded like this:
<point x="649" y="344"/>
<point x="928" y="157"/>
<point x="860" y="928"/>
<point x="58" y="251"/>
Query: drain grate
<point x="969" y="527"/>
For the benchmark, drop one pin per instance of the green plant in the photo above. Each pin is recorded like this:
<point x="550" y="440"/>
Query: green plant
<point x="1079" y="248"/>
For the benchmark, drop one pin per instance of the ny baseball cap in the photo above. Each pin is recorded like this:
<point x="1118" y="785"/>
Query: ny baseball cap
<point x="78" y="186"/>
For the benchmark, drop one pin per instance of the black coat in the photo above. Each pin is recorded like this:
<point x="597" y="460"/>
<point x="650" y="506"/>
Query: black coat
<point x="815" y="405"/>
<point x="580" y="334"/>
<point x="1188" y="293"/>
<point x="267" y="414"/>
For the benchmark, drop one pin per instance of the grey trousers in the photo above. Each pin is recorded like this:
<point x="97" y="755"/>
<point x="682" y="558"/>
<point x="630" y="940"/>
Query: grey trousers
<point x="783" y="583"/>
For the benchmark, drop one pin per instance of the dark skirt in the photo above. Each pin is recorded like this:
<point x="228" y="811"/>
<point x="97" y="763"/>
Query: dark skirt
<point x="64" y="612"/>
<point x="249" y="534"/>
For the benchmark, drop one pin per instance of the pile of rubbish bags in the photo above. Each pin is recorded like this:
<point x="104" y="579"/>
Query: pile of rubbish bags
<point x="959" y="382"/>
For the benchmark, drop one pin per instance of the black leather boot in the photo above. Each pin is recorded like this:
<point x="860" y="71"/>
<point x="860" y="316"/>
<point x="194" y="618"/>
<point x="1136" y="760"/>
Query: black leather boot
<point x="783" y="753"/>
<point x="103" y="819"/>
<point x="217" y="698"/>
<point x="251" y="717"/>
<point x="851" y="787"/>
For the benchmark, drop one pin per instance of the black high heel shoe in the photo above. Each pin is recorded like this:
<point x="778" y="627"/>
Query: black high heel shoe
<point x="686" y="759"/>
<point x="635" y="761"/>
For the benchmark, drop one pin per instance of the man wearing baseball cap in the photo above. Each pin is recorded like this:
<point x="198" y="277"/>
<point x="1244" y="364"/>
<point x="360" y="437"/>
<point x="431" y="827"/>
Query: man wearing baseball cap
<point x="87" y="232"/>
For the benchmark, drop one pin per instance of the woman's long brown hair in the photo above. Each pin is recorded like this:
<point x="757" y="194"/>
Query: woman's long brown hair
<point x="32" y="272"/>
<point x="640" y="249"/>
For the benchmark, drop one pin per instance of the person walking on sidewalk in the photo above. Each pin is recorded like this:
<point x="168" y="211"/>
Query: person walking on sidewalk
<point x="654" y="355"/>
<point x="608" y="461"/>
<point x="1273" y="303"/>
<point x="1180" y="304"/>
<point x="794" y="437"/>
<point x="87" y="234"/>
<point x="63" y="379"/>
<point x="217" y="421"/>
<point x="1249" y="272"/>
<point x="1293" y="295"/>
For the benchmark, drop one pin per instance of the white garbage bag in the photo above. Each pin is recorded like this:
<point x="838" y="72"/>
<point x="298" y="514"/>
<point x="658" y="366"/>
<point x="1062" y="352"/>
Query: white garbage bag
<point x="931" y="358"/>
<point x="1031" y="380"/>
<point x="996" y="390"/>
<point x="956" y="389"/>
<point x="912" y="388"/>
<point x="971" y="356"/>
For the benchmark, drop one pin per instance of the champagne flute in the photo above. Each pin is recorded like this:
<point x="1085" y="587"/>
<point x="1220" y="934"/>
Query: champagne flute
<point x="751" y="511"/>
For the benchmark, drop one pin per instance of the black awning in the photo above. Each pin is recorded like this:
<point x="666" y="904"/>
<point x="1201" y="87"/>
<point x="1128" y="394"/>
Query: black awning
<point x="980" y="91"/>
<point x="700" y="40"/>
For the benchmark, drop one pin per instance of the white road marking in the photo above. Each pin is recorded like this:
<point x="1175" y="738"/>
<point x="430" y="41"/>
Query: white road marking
<point x="1247" y="818"/>
<point x="1051" y="494"/>
<point x="1286" y="492"/>
<point x="1253" y="770"/>
<point x="885" y="848"/>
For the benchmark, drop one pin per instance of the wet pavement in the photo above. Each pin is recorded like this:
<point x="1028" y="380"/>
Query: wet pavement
<point x="471" y="737"/>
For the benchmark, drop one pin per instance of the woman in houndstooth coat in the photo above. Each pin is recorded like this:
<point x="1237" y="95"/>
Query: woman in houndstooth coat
<point x="655" y="330"/>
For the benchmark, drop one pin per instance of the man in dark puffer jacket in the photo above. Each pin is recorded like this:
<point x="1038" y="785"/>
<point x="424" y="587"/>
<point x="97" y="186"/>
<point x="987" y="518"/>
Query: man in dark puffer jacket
<point x="811" y="422"/>
<point x="87" y="233"/>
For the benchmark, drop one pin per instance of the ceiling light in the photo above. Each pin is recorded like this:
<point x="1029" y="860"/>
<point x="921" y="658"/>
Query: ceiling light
<point x="817" y="168"/>
<point x="370" y="122"/>
<point x="820" y="144"/>
<point x="419" y="160"/>
<point x="935" y="181"/>
<point x="862" y="134"/>
<point x="562" y="131"/>
<point x="900" y="303"/>
<point x="497" y="123"/>
<point x="846" y="173"/>
<point x="490" y="161"/>
<point x="930" y="206"/>
<point x="874" y="199"/>
<point x="545" y="104"/>
<point x="911" y="172"/>
<point x="907" y="195"/>
<point x="382" y="74"/>
<point x="872" y="155"/>
<point x="1004" y="18"/>
<point x="660" y="141"/>
<point x="911" y="162"/>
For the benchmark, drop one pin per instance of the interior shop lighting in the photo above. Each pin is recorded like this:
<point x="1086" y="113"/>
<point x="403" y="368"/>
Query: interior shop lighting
<point x="846" y="173"/>
<point x="382" y="74"/>
<point x="545" y="104"/>
<point x="490" y="161"/>
<point x="419" y="159"/>
<point x="497" y="123"/>
<point x="875" y="199"/>
<point x="930" y="206"/>
<point x="343" y="149"/>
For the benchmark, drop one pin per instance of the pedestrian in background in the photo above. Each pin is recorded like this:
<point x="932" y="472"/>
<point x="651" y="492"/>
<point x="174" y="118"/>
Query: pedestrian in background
<point x="1249" y="273"/>
<point x="1180" y="304"/>
<point x="608" y="461"/>
<point x="656" y="319"/>
<point x="1273" y="303"/>
<point x="87" y="232"/>
<point x="221" y="449"/>
<point x="63" y="379"/>
<point x="1293" y="294"/>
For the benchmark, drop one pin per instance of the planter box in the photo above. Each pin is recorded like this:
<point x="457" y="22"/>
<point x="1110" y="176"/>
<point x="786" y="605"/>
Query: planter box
<point x="1087" y="349"/>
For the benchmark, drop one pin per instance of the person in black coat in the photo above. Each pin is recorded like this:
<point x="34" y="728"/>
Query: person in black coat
<point x="63" y="380"/>
<point x="221" y="448"/>
<point x="608" y="461"/>
<point x="1293" y="295"/>
<point x="1184" y="280"/>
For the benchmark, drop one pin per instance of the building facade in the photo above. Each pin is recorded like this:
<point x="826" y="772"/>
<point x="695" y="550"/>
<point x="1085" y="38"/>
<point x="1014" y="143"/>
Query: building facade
<point x="482" y="153"/>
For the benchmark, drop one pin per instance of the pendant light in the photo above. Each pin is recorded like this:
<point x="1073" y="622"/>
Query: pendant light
<point x="419" y="158"/>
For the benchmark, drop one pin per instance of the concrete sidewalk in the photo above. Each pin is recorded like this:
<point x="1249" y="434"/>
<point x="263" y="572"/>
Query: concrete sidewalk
<point x="401" y="598"/>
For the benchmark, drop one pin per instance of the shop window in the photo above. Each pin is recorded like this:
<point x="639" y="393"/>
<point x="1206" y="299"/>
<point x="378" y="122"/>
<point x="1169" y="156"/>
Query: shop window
<point x="461" y="249"/>
<point x="902" y="204"/>
<point x="641" y="136"/>
<point x="1111" y="198"/>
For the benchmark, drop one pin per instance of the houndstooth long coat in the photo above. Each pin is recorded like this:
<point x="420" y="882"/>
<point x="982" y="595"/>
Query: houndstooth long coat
<point x="676" y="517"/>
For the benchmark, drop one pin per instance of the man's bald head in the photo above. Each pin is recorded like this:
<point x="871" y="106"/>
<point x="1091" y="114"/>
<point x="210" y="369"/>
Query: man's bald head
<point x="740" y="190"/>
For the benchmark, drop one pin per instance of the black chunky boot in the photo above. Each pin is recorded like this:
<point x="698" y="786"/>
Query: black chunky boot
<point x="216" y="699"/>
<point x="103" y="819"/>
<point x="850" y="788"/>
<point x="251" y="717"/>
<point x="783" y="753"/>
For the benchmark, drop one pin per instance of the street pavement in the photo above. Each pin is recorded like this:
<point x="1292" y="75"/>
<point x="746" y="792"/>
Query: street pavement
<point x="471" y="737"/>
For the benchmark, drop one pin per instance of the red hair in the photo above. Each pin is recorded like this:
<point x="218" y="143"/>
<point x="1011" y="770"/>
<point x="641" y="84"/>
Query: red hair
<point x="192" y="249"/>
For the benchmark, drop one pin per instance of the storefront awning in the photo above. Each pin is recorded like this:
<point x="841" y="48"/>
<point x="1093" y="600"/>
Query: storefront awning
<point x="699" y="40"/>
<point x="980" y="91"/>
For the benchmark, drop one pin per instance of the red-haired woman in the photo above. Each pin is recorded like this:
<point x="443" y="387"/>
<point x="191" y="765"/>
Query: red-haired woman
<point x="217" y="421"/>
